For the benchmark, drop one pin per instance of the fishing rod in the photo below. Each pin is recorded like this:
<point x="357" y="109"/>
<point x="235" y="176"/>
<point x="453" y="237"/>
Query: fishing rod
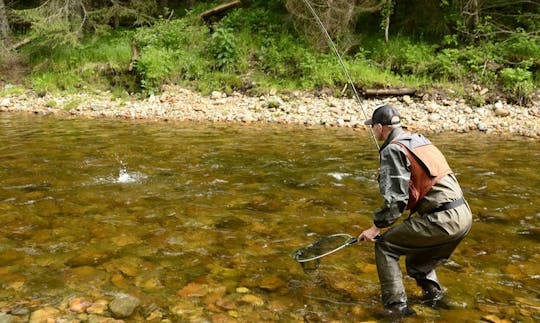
<point x="340" y="60"/>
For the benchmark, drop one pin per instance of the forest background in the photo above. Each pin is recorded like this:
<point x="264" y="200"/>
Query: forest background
<point x="480" y="50"/>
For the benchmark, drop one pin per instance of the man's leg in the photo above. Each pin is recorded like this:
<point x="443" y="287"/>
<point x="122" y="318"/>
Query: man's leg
<point x="413" y="238"/>
<point x="421" y="267"/>
<point x="390" y="277"/>
<point x="389" y="272"/>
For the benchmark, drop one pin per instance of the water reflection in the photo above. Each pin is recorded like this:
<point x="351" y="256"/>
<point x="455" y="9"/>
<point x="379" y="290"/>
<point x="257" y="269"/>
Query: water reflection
<point x="199" y="221"/>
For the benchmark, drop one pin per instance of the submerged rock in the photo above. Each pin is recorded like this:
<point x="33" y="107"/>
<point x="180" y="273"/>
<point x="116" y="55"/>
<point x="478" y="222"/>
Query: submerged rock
<point x="79" y="304"/>
<point x="45" y="314"/>
<point x="252" y="299"/>
<point x="6" y="318"/>
<point x="98" y="307"/>
<point x="124" y="305"/>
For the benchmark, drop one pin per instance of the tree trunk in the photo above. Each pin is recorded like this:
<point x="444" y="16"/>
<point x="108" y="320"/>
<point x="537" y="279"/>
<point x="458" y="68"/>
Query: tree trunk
<point x="386" y="28"/>
<point x="387" y="12"/>
<point x="4" y="27"/>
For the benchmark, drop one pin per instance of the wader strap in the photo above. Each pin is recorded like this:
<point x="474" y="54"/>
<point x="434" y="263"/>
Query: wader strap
<point x="443" y="207"/>
<point x="449" y="205"/>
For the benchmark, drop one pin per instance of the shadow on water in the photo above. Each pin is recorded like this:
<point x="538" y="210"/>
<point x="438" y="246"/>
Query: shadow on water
<point x="199" y="221"/>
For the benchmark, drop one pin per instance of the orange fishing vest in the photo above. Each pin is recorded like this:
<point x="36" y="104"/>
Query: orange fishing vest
<point x="428" y="166"/>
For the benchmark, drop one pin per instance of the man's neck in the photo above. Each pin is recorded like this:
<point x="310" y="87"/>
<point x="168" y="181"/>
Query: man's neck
<point x="390" y="134"/>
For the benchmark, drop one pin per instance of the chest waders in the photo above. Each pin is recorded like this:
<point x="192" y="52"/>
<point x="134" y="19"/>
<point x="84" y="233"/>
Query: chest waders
<point x="425" y="244"/>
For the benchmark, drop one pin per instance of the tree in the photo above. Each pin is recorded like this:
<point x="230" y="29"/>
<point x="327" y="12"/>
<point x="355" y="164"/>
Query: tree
<point x="55" y="22"/>
<point x="491" y="19"/>
<point x="338" y="17"/>
<point x="4" y="27"/>
<point x="387" y="11"/>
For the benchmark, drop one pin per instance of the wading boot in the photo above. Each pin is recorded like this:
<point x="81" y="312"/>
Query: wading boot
<point x="398" y="310"/>
<point x="433" y="294"/>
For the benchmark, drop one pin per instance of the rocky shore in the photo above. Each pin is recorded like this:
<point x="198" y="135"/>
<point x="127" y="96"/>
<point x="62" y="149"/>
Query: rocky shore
<point x="426" y="114"/>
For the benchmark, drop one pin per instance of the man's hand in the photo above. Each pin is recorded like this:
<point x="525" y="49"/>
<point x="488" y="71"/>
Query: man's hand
<point x="370" y="234"/>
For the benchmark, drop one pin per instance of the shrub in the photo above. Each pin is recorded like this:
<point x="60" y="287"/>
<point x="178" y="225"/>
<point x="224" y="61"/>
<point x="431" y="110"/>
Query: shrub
<point x="170" y="50"/>
<point x="224" y="50"/>
<point x="517" y="83"/>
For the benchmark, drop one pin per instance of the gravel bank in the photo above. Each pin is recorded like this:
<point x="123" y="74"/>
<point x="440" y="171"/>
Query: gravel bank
<point x="180" y="104"/>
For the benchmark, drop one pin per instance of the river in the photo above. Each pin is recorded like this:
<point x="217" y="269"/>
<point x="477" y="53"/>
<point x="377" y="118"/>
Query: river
<point x="199" y="221"/>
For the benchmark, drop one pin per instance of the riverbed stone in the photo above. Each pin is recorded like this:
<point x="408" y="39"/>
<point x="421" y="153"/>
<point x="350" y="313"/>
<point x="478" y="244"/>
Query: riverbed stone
<point x="46" y="314"/>
<point x="272" y="283"/>
<point x="242" y="290"/>
<point x="193" y="290"/>
<point x="434" y="117"/>
<point x="98" y="307"/>
<point x="501" y="112"/>
<point x="79" y="304"/>
<point x="481" y="126"/>
<point x="6" y="318"/>
<point x="494" y="319"/>
<point x="304" y="108"/>
<point x="5" y="102"/>
<point x="252" y="299"/>
<point x="124" y="305"/>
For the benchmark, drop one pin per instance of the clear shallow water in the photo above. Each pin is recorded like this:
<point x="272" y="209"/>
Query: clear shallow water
<point x="199" y="221"/>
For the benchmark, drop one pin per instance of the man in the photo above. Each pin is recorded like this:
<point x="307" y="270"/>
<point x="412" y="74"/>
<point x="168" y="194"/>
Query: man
<point x="415" y="176"/>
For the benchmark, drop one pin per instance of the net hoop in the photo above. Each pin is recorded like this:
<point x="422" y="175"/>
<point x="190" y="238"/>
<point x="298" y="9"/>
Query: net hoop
<point x="348" y="240"/>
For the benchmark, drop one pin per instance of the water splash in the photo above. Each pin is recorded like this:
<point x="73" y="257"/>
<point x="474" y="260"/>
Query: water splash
<point x="339" y="176"/>
<point x="124" y="177"/>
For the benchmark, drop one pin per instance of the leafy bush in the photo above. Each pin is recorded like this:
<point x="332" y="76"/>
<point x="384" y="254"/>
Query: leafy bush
<point x="224" y="49"/>
<point x="521" y="49"/>
<point x="517" y="82"/>
<point x="403" y="57"/>
<point x="260" y="21"/>
<point x="170" y="50"/>
<point x="447" y="67"/>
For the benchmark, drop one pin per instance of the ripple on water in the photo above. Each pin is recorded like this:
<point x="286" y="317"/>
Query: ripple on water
<point x="124" y="177"/>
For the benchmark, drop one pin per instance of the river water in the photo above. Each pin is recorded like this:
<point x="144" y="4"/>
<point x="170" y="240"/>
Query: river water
<point x="199" y="221"/>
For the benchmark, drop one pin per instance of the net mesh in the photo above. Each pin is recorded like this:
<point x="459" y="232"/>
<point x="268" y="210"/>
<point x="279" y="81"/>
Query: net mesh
<point x="322" y="247"/>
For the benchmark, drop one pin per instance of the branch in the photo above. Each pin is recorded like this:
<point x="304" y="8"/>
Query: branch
<point x="219" y="9"/>
<point x="21" y="43"/>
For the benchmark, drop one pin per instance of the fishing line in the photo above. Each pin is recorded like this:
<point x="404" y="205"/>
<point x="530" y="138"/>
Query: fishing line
<point x="340" y="60"/>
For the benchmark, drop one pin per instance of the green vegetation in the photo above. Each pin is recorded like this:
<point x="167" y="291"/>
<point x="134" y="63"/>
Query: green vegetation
<point x="97" y="64"/>
<point x="260" y="46"/>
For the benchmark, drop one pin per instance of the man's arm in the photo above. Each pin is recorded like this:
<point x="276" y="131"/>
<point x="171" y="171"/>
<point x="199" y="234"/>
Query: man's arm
<point x="394" y="178"/>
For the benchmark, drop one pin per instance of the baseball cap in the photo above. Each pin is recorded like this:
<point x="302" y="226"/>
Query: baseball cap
<point x="385" y="115"/>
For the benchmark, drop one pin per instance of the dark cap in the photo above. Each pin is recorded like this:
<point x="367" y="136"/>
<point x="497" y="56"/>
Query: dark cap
<point x="385" y="115"/>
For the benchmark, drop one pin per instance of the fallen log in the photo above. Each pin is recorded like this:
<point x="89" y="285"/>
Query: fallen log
<point x="20" y="43"/>
<point x="389" y="92"/>
<point x="219" y="9"/>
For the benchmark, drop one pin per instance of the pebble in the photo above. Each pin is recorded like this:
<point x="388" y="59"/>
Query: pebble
<point x="124" y="305"/>
<point x="179" y="104"/>
<point x="46" y="314"/>
<point x="98" y="307"/>
<point x="6" y="318"/>
<point x="79" y="304"/>
<point x="252" y="299"/>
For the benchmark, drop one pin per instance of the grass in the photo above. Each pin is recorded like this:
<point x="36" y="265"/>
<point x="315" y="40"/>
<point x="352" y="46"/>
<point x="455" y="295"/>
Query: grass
<point x="235" y="58"/>
<point x="93" y="66"/>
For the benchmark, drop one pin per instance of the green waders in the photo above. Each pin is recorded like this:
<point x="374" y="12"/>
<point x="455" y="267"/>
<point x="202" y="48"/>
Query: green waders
<point x="426" y="241"/>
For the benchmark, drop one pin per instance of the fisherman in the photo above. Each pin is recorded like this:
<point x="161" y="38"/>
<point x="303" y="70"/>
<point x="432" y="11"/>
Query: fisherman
<point x="414" y="176"/>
